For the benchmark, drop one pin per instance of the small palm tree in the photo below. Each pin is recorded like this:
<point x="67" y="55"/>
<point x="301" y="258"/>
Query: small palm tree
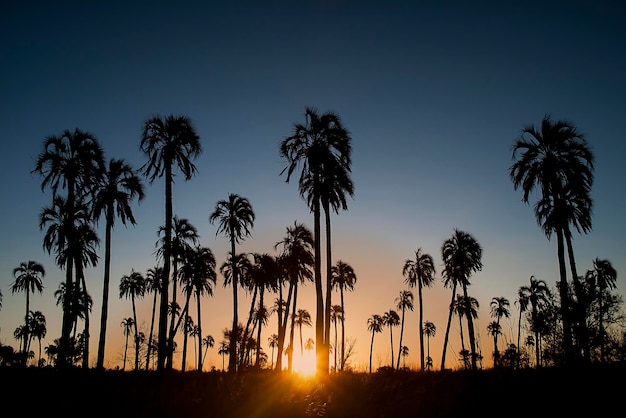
<point x="495" y="329"/>
<point x="430" y="330"/>
<point x="303" y="317"/>
<point x="28" y="278"/>
<point x="154" y="279"/>
<point x="375" y="324"/>
<point x="133" y="286"/>
<point x="403" y="302"/>
<point x="336" y="314"/>
<point x="391" y="319"/>
<point x="127" y="328"/>
<point x="273" y="343"/>
<point x="343" y="278"/>
<point x="208" y="342"/>
<point x="235" y="219"/>
<point x="499" y="308"/>
<point x="603" y="277"/>
<point x="538" y="294"/>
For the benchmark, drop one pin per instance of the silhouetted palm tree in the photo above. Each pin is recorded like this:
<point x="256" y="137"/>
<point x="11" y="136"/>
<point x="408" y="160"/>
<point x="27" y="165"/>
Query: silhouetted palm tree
<point x="128" y="324"/>
<point x="28" y="278"/>
<point x="523" y="302"/>
<point x="403" y="302"/>
<point x="336" y="314"/>
<point x="391" y="319"/>
<point x="430" y="330"/>
<point x="296" y="259"/>
<point x="208" y="342"/>
<point x="556" y="160"/>
<point x="168" y="142"/>
<point x="420" y="272"/>
<point x="70" y="161"/>
<point x="603" y="277"/>
<point x="404" y="353"/>
<point x="115" y="189"/>
<point x="37" y="329"/>
<point x="461" y="256"/>
<point x="133" y="286"/>
<point x="494" y="329"/>
<point x="321" y="146"/>
<point x="264" y="275"/>
<point x="223" y="350"/>
<point x="273" y="343"/>
<point x="344" y="279"/>
<point x="303" y="317"/>
<point x="538" y="294"/>
<point x="154" y="280"/>
<point x="499" y="307"/>
<point x="375" y="324"/>
<point x="235" y="219"/>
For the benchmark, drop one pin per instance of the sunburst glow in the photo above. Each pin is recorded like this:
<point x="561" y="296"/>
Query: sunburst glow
<point x="304" y="364"/>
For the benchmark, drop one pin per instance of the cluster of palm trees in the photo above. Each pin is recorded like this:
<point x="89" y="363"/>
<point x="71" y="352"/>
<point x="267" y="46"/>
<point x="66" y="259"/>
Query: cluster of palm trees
<point x="553" y="160"/>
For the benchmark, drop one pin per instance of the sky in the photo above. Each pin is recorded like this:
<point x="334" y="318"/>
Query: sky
<point x="434" y="95"/>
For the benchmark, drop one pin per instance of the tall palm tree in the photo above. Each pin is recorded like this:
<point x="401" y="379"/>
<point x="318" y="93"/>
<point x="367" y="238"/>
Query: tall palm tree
<point x="403" y="302"/>
<point x="462" y="256"/>
<point x="303" y="317"/>
<point x="499" y="307"/>
<point x="37" y="329"/>
<point x="133" y="286"/>
<point x="557" y="160"/>
<point x="264" y="275"/>
<point x="321" y="147"/>
<point x="28" y="278"/>
<point x="115" y="190"/>
<point x="603" y="276"/>
<point x="494" y="329"/>
<point x="154" y="280"/>
<point x="375" y="324"/>
<point x="430" y="330"/>
<point x="420" y="272"/>
<point x="344" y="279"/>
<point x="235" y="219"/>
<point x="128" y="325"/>
<point x="296" y="259"/>
<point x="71" y="162"/>
<point x="168" y="142"/>
<point x="523" y="302"/>
<point x="538" y="294"/>
<point x="391" y="319"/>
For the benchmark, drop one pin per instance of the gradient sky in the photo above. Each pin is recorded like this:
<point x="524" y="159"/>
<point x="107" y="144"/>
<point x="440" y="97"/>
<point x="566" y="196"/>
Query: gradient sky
<point x="433" y="93"/>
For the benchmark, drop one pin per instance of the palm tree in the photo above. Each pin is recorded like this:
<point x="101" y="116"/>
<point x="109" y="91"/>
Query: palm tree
<point x="71" y="161"/>
<point x="321" y="146"/>
<point x="235" y="219"/>
<point x="336" y="314"/>
<point x="499" y="308"/>
<point x="37" y="329"/>
<point x="273" y="343"/>
<point x="133" y="286"/>
<point x="127" y="327"/>
<point x="404" y="353"/>
<point x="523" y="302"/>
<point x="538" y="294"/>
<point x="461" y="256"/>
<point x="296" y="259"/>
<point x="154" y="280"/>
<point x="375" y="324"/>
<point x="495" y="329"/>
<point x="430" y="330"/>
<point x="391" y="319"/>
<point x="420" y="272"/>
<point x="303" y="317"/>
<point x="223" y="350"/>
<point x="208" y="342"/>
<point x="557" y="160"/>
<point x="403" y="302"/>
<point x="343" y="278"/>
<point x="28" y="278"/>
<point x="116" y="188"/>
<point x="603" y="276"/>
<point x="264" y="275"/>
<point x="168" y="141"/>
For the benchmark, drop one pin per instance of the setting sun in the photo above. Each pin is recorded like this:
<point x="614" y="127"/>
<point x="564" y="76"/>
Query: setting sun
<point x="304" y="365"/>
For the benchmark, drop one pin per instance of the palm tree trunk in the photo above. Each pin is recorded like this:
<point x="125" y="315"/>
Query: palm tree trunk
<point x="258" y="338"/>
<point x="151" y="329"/>
<point x="470" y="330"/>
<point x="105" y="289"/>
<point x="371" y="350"/>
<point x="136" y="335"/>
<point x="200" y="359"/>
<point x="565" y="302"/>
<point x="291" y="331"/>
<point x="343" y="330"/>
<point x="232" y="361"/>
<point x="579" y="305"/>
<point x="328" y="290"/>
<point x="319" y="300"/>
<point x="445" y="340"/>
<point x="165" y="352"/>
<point x="421" y="324"/>
<point x="401" y="336"/>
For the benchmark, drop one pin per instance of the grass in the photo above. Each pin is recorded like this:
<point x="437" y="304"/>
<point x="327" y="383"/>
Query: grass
<point x="548" y="392"/>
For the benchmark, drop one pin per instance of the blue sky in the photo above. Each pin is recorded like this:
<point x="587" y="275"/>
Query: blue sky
<point x="433" y="93"/>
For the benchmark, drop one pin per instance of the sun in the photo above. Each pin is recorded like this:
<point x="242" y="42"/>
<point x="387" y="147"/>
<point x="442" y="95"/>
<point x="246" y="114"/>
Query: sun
<point x="304" y="364"/>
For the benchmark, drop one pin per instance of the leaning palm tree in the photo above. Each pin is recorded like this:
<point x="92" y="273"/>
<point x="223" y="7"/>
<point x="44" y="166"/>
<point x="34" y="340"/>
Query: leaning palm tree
<point x="403" y="302"/>
<point x="391" y="319"/>
<point x="603" y="277"/>
<point x="375" y="324"/>
<point x="430" y="330"/>
<point x="167" y="142"/>
<point x="462" y="256"/>
<point x="133" y="286"/>
<point x="420" y="272"/>
<point x="28" y="278"/>
<point x="557" y="160"/>
<point x="71" y="162"/>
<point x="344" y="279"/>
<point x="235" y="219"/>
<point x="538" y="294"/>
<point x="115" y="190"/>
<point x="499" y="308"/>
<point x="321" y="147"/>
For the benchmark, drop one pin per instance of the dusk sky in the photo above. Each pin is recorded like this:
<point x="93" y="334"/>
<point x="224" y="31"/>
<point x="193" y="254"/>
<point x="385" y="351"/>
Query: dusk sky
<point x="434" y="95"/>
